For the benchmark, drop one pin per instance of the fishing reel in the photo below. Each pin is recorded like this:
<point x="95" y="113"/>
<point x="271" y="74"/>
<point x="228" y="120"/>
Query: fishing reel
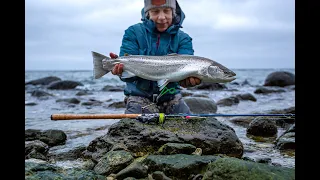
<point x="154" y="118"/>
<point x="159" y="118"/>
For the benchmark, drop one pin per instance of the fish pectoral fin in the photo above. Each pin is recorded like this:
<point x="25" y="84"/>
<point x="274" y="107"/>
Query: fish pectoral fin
<point x="173" y="54"/>
<point x="127" y="74"/>
<point x="162" y="83"/>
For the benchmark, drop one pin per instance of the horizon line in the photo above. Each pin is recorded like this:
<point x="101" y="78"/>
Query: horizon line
<point x="92" y="70"/>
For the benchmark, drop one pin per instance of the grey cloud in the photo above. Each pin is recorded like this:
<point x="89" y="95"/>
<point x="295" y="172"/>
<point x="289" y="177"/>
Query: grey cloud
<point x="61" y="36"/>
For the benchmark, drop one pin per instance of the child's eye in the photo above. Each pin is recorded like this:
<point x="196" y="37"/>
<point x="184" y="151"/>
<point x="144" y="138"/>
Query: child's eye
<point x="155" y="11"/>
<point x="167" y="10"/>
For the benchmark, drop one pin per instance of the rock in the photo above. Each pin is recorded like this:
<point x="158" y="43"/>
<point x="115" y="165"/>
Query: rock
<point x="135" y="170"/>
<point x="228" y="101"/>
<point x="51" y="137"/>
<point x="233" y="168"/>
<point x="113" y="162"/>
<point x="48" y="171"/>
<point x="63" y="85"/>
<point x="69" y="100"/>
<point x="176" y="148"/>
<point x="262" y="127"/>
<point x="280" y="78"/>
<point x="208" y="86"/>
<point x="44" y="81"/>
<point x="264" y="90"/>
<point x="180" y="166"/>
<point x="36" y="149"/>
<point x="200" y="105"/>
<point x="246" y="96"/>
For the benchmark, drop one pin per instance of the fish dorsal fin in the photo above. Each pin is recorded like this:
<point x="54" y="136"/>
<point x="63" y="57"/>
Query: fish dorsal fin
<point x="127" y="74"/>
<point x="173" y="54"/>
<point x="162" y="83"/>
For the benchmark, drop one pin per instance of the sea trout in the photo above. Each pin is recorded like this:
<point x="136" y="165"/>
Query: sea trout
<point x="164" y="69"/>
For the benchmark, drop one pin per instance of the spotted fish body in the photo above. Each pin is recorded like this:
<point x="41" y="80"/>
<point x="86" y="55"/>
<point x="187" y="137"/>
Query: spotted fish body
<point x="164" y="69"/>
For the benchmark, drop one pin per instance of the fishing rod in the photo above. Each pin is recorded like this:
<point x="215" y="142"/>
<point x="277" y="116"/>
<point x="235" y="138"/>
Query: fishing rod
<point x="154" y="117"/>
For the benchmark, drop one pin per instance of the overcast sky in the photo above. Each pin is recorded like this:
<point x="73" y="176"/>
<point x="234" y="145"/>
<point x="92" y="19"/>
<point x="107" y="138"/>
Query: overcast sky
<point x="60" y="34"/>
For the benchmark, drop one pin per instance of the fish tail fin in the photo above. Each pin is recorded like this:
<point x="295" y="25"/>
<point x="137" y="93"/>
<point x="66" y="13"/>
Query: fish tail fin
<point x="98" y="70"/>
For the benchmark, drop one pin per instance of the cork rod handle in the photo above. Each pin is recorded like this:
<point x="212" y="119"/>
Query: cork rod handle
<point x="56" y="117"/>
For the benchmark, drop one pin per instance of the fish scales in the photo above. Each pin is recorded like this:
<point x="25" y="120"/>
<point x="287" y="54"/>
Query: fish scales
<point x="160" y="68"/>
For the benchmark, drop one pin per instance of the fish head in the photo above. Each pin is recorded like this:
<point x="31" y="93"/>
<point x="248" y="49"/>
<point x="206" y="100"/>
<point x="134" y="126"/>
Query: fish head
<point x="220" y="74"/>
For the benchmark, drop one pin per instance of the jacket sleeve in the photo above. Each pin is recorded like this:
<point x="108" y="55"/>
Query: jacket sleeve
<point x="130" y="46"/>
<point x="185" y="45"/>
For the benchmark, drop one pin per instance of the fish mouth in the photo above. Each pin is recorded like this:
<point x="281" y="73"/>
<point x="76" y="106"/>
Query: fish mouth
<point x="229" y="78"/>
<point x="232" y="78"/>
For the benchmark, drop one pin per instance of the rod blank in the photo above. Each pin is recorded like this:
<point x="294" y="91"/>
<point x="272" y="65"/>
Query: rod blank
<point x="227" y="115"/>
<point x="132" y="116"/>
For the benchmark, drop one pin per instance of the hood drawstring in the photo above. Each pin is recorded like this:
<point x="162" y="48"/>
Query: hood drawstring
<point x="158" y="41"/>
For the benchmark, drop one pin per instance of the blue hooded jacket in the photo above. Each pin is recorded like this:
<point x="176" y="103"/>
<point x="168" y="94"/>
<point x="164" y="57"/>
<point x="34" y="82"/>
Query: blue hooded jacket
<point x="144" y="39"/>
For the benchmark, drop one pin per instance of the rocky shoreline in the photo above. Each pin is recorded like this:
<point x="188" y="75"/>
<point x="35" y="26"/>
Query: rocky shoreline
<point x="178" y="149"/>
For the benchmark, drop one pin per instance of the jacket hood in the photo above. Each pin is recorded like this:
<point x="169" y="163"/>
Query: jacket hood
<point x="176" y="22"/>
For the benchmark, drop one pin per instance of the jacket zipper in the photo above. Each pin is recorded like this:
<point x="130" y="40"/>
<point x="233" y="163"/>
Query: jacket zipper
<point x="153" y="85"/>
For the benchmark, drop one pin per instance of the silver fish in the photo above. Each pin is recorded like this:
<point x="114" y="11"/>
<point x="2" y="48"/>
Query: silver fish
<point x="164" y="69"/>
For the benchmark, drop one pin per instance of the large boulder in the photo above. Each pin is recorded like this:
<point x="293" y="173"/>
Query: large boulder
<point x="280" y="78"/>
<point x="212" y="136"/>
<point x="44" y="81"/>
